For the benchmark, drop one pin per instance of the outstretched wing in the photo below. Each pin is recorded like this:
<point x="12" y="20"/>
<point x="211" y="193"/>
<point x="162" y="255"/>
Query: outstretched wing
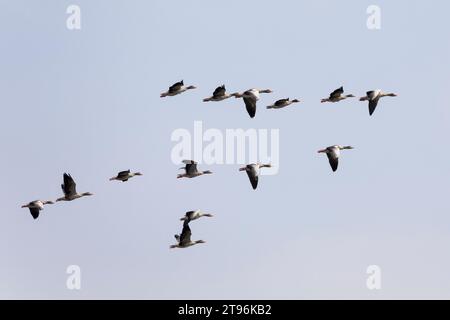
<point x="189" y="215"/>
<point x="176" y="87"/>
<point x="337" y="93"/>
<point x="373" y="105"/>
<point x="34" y="212"/>
<point x="123" y="174"/>
<point x="250" y="105"/>
<point x="69" y="186"/>
<point x="191" y="166"/>
<point x="253" y="177"/>
<point x="334" y="161"/>
<point x="186" y="233"/>
<point x="281" y="102"/>
<point x="219" y="92"/>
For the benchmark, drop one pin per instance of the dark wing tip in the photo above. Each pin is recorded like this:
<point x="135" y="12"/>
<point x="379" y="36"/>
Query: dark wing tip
<point x="34" y="213"/>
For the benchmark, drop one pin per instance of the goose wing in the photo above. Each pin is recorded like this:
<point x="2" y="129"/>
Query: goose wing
<point x="250" y="105"/>
<point x="373" y="105"/>
<point x="337" y="93"/>
<point x="253" y="177"/>
<point x="185" y="236"/>
<point x="219" y="92"/>
<point x="334" y="160"/>
<point x="189" y="215"/>
<point x="281" y="102"/>
<point x="176" y="87"/>
<point x="34" y="212"/>
<point x="191" y="166"/>
<point x="123" y="174"/>
<point x="69" y="186"/>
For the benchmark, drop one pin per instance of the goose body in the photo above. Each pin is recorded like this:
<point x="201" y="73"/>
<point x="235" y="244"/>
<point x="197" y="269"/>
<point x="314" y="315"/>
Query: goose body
<point x="250" y="98"/>
<point x="184" y="239"/>
<point x="191" y="170"/>
<point x="282" y="103"/>
<point x="70" y="191"/>
<point x="253" y="172"/>
<point x="36" y="206"/>
<point x="194" y="215"/>
<point x="177" y="88"/>
<point x="125" y="175"/>
<point x="333" y="153"/>
<point x="337" y="95"/>
<point x="220" y="94"/>
<point x="373" y="97"/>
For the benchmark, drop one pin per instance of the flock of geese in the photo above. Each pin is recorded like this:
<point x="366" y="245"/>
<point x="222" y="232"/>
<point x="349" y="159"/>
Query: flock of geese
<point x="250" y="97"/>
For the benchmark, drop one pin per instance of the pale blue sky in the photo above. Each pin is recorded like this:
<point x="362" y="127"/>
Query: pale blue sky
<point x="87" y="102"/>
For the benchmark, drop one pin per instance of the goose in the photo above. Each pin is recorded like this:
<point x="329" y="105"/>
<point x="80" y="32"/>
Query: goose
<point x="125" y="175"/>
<point x="36" y="206"/>
<point x="177" y="88"/>
<point x="220" y="94"/>
<point x="253" y="172"/>
<point x="194" y="215"/>
<point x="184" y="239"/>
<point x="191" y="170"/>
<point x="250" y="98"/>
<point x="282" y="103"/>
<point x="373" y="97"/>
<point x="69" y="189"/>
<point x="333" y="154"/>
<point x="337" y="95"/>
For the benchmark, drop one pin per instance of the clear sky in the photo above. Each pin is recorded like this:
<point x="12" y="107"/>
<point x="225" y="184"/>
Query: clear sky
<point x="87" y="102"/>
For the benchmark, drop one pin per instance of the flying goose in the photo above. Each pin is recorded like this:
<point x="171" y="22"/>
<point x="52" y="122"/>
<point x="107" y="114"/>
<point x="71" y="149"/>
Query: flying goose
<point x="194" y="215"/>
<point x="220" y="94"/>
<point x="184" y="239"/>
<point x="36" y="206"/>
<point x="69" y="189"/>
<point x="373" y="97"/>
<point x="125" y="175"/>
<point x="253" y="172"/>
<point x="282" y="103"/>
<point x="177" y="88"/>
<point x="250" y="98"/>
<point x="191" y="170"/>
<point x="337" y="95"/>
<point x="333" y="154"/>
